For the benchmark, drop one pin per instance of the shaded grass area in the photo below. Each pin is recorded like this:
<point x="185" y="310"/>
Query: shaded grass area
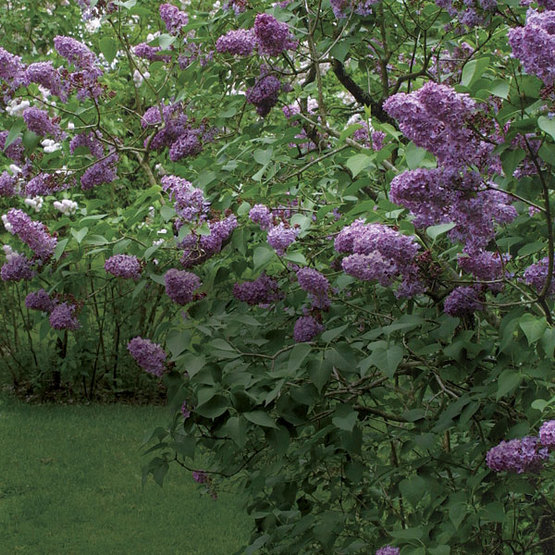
<point x="70" y="482"/>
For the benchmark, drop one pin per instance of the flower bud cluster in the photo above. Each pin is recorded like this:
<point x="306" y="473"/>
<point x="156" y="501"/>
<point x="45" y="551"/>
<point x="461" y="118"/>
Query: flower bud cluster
<point x="148" y="355"/>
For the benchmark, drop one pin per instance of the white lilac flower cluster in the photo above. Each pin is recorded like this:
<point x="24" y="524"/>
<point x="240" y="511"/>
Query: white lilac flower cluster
<point x="66" y="206"/>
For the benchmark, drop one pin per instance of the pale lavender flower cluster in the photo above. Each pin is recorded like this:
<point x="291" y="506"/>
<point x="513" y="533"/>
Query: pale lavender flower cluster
<point x="470" y="13"/>
<point x="124" y="266"/>
<point x="435" y="117"/>
<point x="536" y="275"/>
<point x="343" y="8"/>
<point x="181" y="285"/>
<point x="306" y="329"/>
<point x="316" y="285"/>
<point x="174" y="18"/>
<point x="281" y="236"/>
<point x="366" y="135"/>
<point x="240" y="42"/>
<point x="34" y="234"/>
<point x="189" y="201"/>
<point x="462" y="301"/>
<point x="388" y="550"/>
<point x="534" y="44"/>
<point x="63" y="317"/>
<point x="272" y="36"/>
<point x="103" y="171"/>
<point x="17" y="268"/>
<point x="198" y="248"/>
<point x="15" y="151"/>
<point x="262" y="291"/>
<point x="547" y="434"/>
<point x="39" y="300"/>
<point x="517" y="455"/>
<point x="379" y="253"/>
<point x="238" y="6"/>
<point x="148" y="355"/>
<point x="264" y="93"/>
<point x="45" y="74"/>
<point x="39" y="122"/>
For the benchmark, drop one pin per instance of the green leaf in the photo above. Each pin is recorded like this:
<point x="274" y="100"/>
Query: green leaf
<point x="359" y="162"/>
<point x="165" y="41"/>
<point x="260" y="418"/>
<point x="177" y="342"/>
<point x="109" y="48"/>
<point x="345" y="417"/>
<point x="500" y="88"/>
<point x="14" y="132"/>
<point x="414" y="155"/>
<point x="532" y="326"/>
<point x="263" y="157"/>
<point x="330" y="335"/>
<point x="79" y="235"/>
<point x="59" y="249"/>
<point x="319" y="372"/>
<point x="473" y="70"/>
<point x="413" y="489"/>
<point x="434" y="231"/>
<point x="261" y="257"/>
<point x="508" y="381"/>
<point x="298" y="353"/>
<point x="548" y="125"/>
<point x="214" y="407"/>
<point x="387" y="359"/>
<point x="221" y="345"/>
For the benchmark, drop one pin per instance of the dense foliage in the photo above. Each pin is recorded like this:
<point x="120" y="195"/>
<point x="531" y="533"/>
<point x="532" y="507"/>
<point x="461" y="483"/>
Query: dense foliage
<point x="326" y="227"/>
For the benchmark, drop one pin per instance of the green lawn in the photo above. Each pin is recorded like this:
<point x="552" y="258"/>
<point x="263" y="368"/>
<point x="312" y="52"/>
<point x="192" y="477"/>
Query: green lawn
<point x="70" y="482"/>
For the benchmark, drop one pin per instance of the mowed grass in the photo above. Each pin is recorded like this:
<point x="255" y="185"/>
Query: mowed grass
<point x="70" y="482"/>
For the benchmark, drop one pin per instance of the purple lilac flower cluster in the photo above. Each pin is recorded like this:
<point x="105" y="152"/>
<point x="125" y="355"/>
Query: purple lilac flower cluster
<point x="486" y="266"/>
<point x="85" y="80"/>
<point x="388" y="550"/>
<point x="148" y="355"/>
<point x="463" y="301"/>
<point x="174" y="18"/>
<point x="470" y="13"/>
<point x="379" y="253"/>
<point x="100" y="8"/>
<point x="281" y="236"/>
<point x="517" y="455"/>
<point x="189" y="201"/>
<point x="45" y="74"/>
<point x="441" y="196"/>
<point x="306" y="329"/>
<point x="316" y="285"/>
<point x="45" y="184"/>
<point x="261" y="215"/>
<point x="39" y="300"/>
<point x="15" y="151"/>
<point x="89" y="141"/>
<point x="63" y="317"/>
<point x="272" y="36"/>
<point x="262" y="291"/>
<point x="547" y="434"/>
<point x="7" y="184"/>
<point x="150" y="53"/>
<point x="344" y="8"/>
<point x="263" y="95"/>
<point x="17" y="268"/>
<point x="11" y="69"/>
<point x="39" y="122"/>
<point x="198" y="248"/>
<point x="238" y="6"/>
<point x="124" y="266"/>
<point x="534" y="44"/>
<point x="240" y="42"/>
<point x="103" y="171"/>
<point x="435" y="117"/>
<point x="34" y="234"/>
<point x="178" y="132"/>
<point x="181" y="285"/>
<point x="536" y="276"/>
